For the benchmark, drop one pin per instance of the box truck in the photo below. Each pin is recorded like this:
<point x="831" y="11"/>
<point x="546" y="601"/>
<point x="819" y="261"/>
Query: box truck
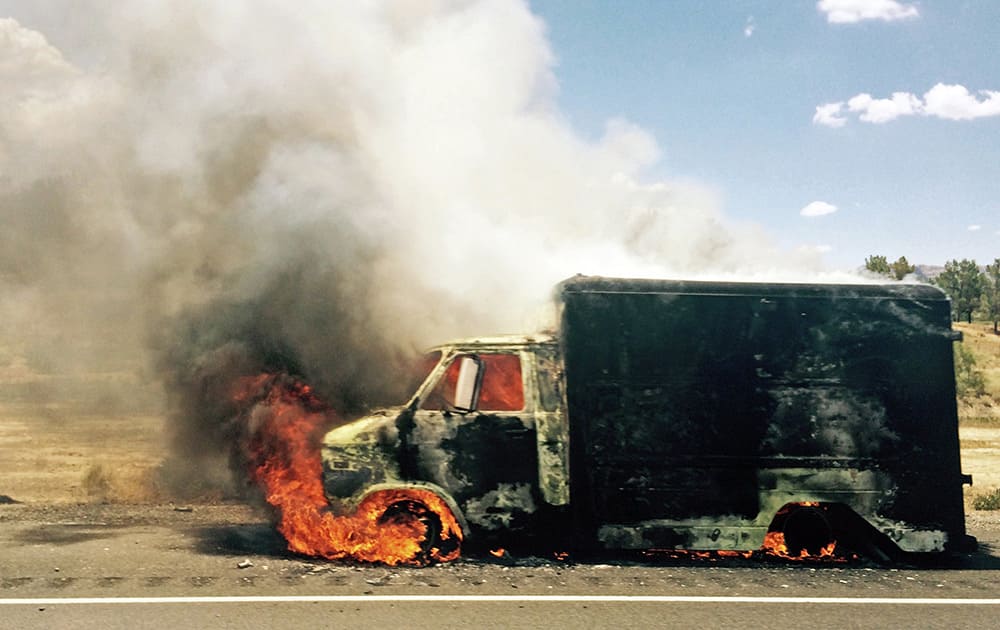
<point x="684" y="415"/>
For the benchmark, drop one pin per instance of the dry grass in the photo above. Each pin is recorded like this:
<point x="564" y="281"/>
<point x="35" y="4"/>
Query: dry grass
<point x="53" y="455"/>
<point x="979" y="418"/>
<point x="984" y="410"/>
<point x="969" y="444"/>
<point x="130" y="483"/>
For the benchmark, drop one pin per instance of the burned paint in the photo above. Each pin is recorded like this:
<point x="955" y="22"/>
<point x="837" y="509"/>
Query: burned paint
<point x="357" y="456"/>
<point x="703" y="535"/>
<point x="491" y="450"/>
<point x="497" y="510"/>
<point x="551" y="428"/>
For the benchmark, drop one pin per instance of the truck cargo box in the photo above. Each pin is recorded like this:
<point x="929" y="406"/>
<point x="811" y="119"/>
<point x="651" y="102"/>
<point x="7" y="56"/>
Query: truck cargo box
<point x="719" y="402"/>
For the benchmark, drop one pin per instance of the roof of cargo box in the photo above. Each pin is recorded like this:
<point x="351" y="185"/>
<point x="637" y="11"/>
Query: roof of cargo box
<point x="598" y="284"/>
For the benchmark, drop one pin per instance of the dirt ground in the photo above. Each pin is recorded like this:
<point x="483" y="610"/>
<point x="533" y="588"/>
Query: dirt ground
<point x="49" y="455"/>
<point x="981" y="457"/>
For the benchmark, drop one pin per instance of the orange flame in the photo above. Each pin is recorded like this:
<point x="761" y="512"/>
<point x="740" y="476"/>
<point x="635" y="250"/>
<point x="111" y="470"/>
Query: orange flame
<point x="774" y="544"/>
<point x="399" y="526"/>
<point x="691" y="554"/>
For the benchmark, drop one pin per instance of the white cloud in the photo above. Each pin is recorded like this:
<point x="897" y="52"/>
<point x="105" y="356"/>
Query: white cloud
<point x="954" y="102"/>
<point x="750" y="27"/>
<point x="880" y="110"/>
<point x="829" y="115"/>
<point x="975" y="228"/>
<point x="818" y="209"/>
<point x="853" y="11"/>
<point x="950" y="102"/>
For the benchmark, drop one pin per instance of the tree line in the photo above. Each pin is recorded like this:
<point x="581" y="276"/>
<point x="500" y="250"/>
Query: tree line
<point x="973" y="291"/>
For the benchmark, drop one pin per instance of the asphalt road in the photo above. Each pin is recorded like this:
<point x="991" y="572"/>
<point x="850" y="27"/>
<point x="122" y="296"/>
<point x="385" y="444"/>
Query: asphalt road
<point x="500" y="615"/>
<point x="118" y="566"/>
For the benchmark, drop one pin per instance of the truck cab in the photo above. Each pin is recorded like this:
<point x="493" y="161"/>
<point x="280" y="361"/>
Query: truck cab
<point x="486" y="429"/>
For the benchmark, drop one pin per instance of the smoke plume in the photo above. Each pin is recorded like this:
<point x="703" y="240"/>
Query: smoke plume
<point x="194" y="190"/>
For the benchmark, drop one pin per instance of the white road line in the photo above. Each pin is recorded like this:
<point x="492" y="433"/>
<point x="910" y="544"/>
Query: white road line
<point x="654" y="599"/>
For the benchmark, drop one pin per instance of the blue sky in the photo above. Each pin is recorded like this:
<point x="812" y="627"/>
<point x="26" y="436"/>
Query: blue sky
<point x="730" y="90"/>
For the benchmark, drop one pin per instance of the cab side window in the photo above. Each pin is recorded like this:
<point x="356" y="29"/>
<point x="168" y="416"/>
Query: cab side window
<point x="503" y="387"/>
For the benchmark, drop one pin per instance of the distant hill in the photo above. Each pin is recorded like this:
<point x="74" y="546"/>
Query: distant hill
<point x="926" y="273"/>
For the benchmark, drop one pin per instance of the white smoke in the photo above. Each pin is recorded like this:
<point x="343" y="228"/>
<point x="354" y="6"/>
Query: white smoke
<point x="160" y="156"/>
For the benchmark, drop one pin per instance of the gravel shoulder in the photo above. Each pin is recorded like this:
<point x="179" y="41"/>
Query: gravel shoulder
<point x="94" y="550"/>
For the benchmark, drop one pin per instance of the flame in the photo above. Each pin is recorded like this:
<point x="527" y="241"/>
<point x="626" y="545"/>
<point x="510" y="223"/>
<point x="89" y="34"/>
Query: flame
<point x="691" y="554"/>
<point x="286" y="420"/>
<point x="498" y="553"/>
<point x="774" y="544"/>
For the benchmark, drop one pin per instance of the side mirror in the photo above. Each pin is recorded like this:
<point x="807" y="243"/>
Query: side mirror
<point x="470" y="378"/>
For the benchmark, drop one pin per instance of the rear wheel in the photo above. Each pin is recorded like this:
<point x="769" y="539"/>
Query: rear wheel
<point x="807" y="530"/>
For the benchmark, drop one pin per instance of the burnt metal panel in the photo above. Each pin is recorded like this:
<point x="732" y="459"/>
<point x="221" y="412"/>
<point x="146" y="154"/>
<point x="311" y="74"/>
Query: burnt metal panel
<point x="681" y="393"/>
<point x="489" y="450"/>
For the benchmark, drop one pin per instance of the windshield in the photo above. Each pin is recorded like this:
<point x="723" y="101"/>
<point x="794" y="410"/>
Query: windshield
<point x="421" y="369"/>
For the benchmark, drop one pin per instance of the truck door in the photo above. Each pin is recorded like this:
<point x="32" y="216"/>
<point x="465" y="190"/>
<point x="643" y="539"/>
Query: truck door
<point x="480" y="444"/>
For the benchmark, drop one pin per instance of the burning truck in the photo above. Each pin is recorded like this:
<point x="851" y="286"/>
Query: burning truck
<point x="677" y="415"/>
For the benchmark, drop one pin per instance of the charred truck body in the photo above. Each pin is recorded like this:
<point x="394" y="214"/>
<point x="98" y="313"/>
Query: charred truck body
<point x="687" y="415"/>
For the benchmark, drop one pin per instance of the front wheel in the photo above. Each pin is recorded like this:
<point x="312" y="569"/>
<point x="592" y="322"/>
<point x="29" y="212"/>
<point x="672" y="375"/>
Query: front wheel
<point x="423" y="524"/>
<point x="411" y="512"/>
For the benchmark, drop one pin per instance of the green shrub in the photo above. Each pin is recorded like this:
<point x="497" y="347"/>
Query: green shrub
<point x="988" y="501"/>
<point x="969" y="381"/>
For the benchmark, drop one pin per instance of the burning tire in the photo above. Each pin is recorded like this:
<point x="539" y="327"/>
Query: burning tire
<point x="801" y="531"/>
<point x="807" y="531"/>
<point x="429" y="523"/>
<point x="408" y="512"/>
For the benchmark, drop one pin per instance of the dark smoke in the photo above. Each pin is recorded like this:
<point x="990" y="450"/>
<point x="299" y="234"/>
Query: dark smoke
<point x="310" y="320"/>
